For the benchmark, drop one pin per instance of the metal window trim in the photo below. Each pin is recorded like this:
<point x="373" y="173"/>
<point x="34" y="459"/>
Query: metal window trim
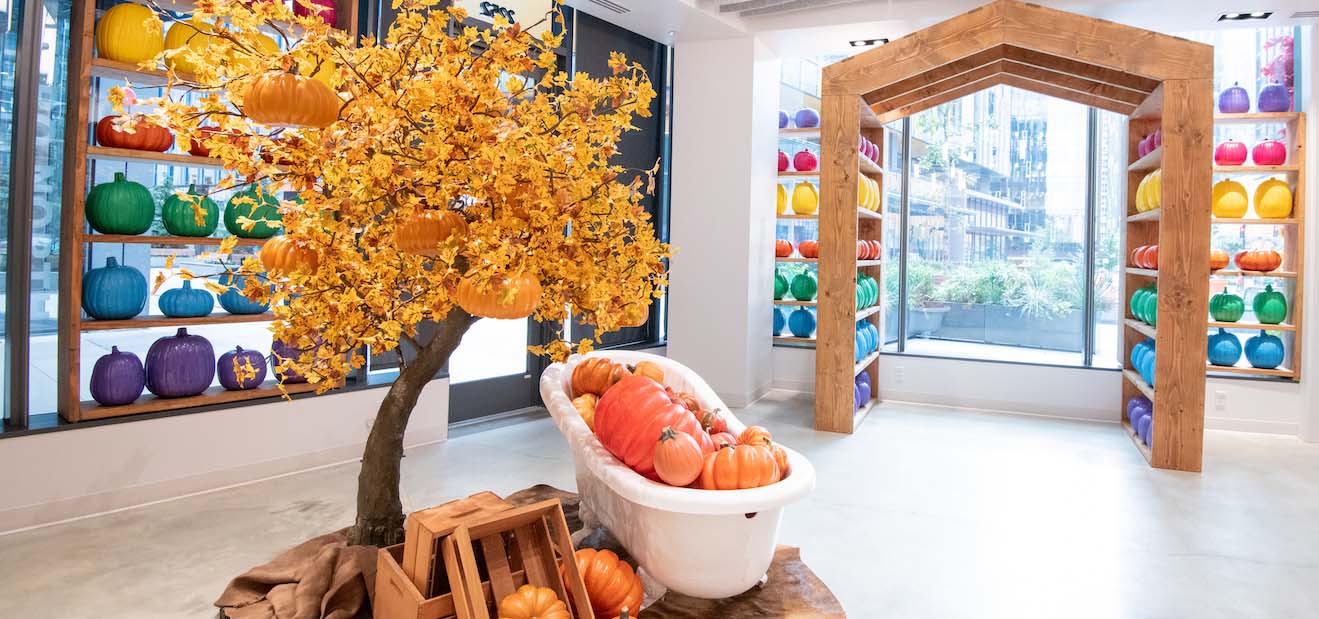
<point x="1091" y="232"/>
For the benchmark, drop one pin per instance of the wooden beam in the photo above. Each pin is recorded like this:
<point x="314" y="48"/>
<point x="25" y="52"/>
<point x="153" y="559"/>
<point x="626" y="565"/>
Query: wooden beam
<point x="933" y="90"/>
<point x="1076" y="83"/>
<point x="947" y="72"/>
<point x="951" y="94"/>
<point x="1075" y="67"/>
<point x="836" y="305"/>
<point x="1058" y="92"/>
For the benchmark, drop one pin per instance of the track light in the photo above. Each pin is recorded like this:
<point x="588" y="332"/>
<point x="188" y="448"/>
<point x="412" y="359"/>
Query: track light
<point x="867" y="42"/>
<point x="1245" y="16"/>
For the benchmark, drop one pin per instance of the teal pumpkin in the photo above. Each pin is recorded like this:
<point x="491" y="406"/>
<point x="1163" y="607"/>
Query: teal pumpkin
<point x="1227" y="307"/>
<point x="1224" y="349"/>
<point x="780" y="321"/>
<point x="180" y="219"/>
<point x="1137" y="303"/>
<point x="780" y="285"/>
<point x="186" y="302"/>
<point x="804" y="286"/>
<point x="1264" y="351"/>
<point x="801" y="322"/>
<point x="1270" y="306"/>
<point x="120" y="207"/>
<point x="233" y="300"/>
<point x="113" y="292"/>
<point x="256" y="203"/>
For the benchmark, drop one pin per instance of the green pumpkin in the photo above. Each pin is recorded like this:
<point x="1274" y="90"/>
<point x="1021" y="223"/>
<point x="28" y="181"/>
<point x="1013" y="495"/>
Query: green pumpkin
<point x="1137" y="303"/>
<point x="780" y="285"/>
<point x="1270" y="306"/>
<point x="179" y="216"/>
<point x="1150" y="309"/>
<point x="254" y="203"/>
<point x="120" y="207"/>
<point x="1226" y="307"/>
<point x="804" y="286"/>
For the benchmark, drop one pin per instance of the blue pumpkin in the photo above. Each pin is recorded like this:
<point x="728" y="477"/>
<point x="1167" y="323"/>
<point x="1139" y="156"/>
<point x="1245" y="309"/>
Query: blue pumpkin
<point x="1224" y="348"/>
<point x="801" y="322"/>
<point x="233" y="300"/>
<point x="113" y="292"/>
<point x="1265" y="351"/>
<point x="186" y="302"/>
<point x="780" y="321"/>
<point x="1142" y="360"/>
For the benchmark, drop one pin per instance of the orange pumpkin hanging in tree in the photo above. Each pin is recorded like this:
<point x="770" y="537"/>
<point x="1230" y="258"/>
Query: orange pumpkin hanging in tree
<point x="1218" y="259"/>
<point x="532" y="602"/>
<point x="739" y="467"/>
<point x="282" y="255"/>
<point x="288" y="100"/>
<point x="509" y="297"/>
<point x="595" y="375"/>
<point x="423" y="233"/>
<point x="611" y="583"/>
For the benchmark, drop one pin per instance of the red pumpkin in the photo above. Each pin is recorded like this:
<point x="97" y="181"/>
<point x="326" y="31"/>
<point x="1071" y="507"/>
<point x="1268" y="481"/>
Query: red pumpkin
<point x="712" y="422"/>
<point x="809" y="249"/>
<point x="1218" y="259"/>
<point x="678" y="459"/>
<point x="1262" y="260"/>
<point x="631" y="416"/>
<point x="146" y="135"/>
<point x="782" y="248"/>
<point x="1230" y="152"/>
<point x="1268" y="152"/>
<point x="723" y="439"/>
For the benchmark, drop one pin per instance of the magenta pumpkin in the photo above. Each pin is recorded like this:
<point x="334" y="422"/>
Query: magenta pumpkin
<point x="325" y="8"/>
<point x="804" y="161"/>
<point x="783" y="161"/>
<point x="1157" y="140"/>
<point x="1230" y="152"/>
<point x="1269" y="152"/>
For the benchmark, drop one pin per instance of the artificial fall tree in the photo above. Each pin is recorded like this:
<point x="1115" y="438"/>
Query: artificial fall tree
<point x="427" y="176"/>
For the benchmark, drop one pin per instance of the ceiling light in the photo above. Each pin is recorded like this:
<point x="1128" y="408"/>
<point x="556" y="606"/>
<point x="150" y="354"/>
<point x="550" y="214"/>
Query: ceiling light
<point x="867" y="42"/>
<point x="1245" y="16"/>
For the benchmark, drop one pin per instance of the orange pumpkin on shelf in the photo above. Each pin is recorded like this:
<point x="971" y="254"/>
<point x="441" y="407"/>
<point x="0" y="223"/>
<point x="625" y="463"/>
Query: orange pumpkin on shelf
<point x="511" y="296"/>
<point x="782" y="248"/>
<point x="1262" y="260"/>
<point x="723" y="438"/>
<point x="611" y="583"/>
<point x="1150" y="259"/>
<point x="809" y="249"/>
<point x="286" y="100"/>
<point x="532" y="602"/>
<point x="146" y="135"/>
<point x="1218" y="259"/>
<point x="678" y="459"/>
<point x="738" y="467"/>
<point x="595" y="375"/>
<point x="755" y="435"/>
<point x="650" y="370"/>
<point x="423" y="232"/>
<point x="585" y="405"/>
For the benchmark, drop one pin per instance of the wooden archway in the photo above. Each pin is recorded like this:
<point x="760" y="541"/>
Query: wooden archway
<point x="1159" y="81"/>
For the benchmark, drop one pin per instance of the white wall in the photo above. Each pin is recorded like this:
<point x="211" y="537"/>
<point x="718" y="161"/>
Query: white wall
<point x="722" y="220"/>
<point x="1309" y="396"/>
<point x="72" y="473"/>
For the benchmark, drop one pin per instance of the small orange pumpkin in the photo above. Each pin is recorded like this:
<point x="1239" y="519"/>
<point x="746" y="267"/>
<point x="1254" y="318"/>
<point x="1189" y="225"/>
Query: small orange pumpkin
<point x="611" y="584"/>
<point x="689" y="400"/>
<point x="595" y="375"/>
<point x="512" y="296"/>
<point x="723" y="438"/>
<point x="282" y="255"/>
<point x="650" y="370"/>
<point x="738" y="467"/>
<point x="585" y="405"/>
<point x="532" y="602"/>
<point x="678" y="459"/>
<point x="712" y="422"/>
<point x="755" y="435"/>
<point x="1263" y="260"/>
<point x="780" y="458"/>
<point x="1218" y="259"/>
<point x="286" y="100"/>
<point x="423" y="233"/>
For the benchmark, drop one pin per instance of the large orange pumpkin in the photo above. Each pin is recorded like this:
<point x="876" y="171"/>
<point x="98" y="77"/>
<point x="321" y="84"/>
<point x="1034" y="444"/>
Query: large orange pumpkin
<point x="512" y="296"/>
<point x="423" y="233"/>
<point x="1263" y="260"/>
<point x="611" y="584"/>
<point x="146" y="135"/>
<point x="595" y="375"/>
<point x="739" y="467"/>
<point x="1218" y="259"/>
<point x="532" y="602"/>
<point x="631" y="416"/>
<point x="288" y="100"/>
<point x="282" y="255"/>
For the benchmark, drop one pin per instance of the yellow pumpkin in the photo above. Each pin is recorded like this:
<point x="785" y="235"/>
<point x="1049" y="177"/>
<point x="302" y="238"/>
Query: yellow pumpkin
<point x="282" y="255"/>
<point x="1141" y="204"/>
<point x="805" y="199"/>
<point x="286" y="100"/>
<point x="1229" y="199"/>
<point x="1273" y="199"/>
<point x="1154" y="192"/>
<point x="532" y="602"/>
<point x="184" y="36"/>
<point x="781" y="204"/>
<point x="124" y="35"/>
<point x="514" y="296"/>
<point x="422" y="233"/>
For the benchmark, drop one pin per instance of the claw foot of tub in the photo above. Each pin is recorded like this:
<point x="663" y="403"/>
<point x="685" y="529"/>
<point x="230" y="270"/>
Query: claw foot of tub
<point x="654" y="590"/>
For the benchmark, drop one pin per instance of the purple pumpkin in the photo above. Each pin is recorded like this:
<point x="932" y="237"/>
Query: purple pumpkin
<point x="856" y="397"/>
<point x="1137" y="406"/>
<point x="1275" y="98"/>
<point x="180" y="365"/>
<point x="864" y="387"/>
<point x="807" y="118"/>
<point x="280" y="351"/>
<point x="117" y="378"/>
<point x="1269" y="152"/>
<point x="1143" y="147"/>
<point x="229" y="378"/>
<point x="1230" y="152"/>
<point x="783" y="161"/>
<point x="1234" y="100"/>
<point x="804" y="161"/>
<point x="1144" y="427"/>
<point x="783" y="119"/>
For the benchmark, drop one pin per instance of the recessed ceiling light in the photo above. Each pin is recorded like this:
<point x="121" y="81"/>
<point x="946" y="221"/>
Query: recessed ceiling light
<point x="867" y="42"/>
<point x="1245" y="16"/>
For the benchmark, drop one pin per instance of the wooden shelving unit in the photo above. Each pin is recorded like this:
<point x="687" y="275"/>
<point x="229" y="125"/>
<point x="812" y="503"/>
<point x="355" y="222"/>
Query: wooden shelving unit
<point x="80" y="158"/>
<point x="1291" y="274"/>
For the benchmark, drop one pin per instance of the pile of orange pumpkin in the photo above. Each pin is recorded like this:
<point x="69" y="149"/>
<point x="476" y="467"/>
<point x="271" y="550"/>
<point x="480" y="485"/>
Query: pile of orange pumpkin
<point x="612" y="586"/>
<point x="670" y="437"/>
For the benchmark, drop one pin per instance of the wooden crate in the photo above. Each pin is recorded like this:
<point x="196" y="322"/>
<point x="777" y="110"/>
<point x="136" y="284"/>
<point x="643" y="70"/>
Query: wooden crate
<point x="422" y="553"/>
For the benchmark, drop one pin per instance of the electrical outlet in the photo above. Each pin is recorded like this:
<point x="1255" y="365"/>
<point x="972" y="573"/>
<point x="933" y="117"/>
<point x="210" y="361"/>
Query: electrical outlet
<point x="1220" y="400"/>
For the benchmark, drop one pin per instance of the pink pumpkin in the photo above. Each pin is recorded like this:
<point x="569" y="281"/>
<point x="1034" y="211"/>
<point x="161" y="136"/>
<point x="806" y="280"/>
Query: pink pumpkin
<point x="1158" y="139"/>
<point x="783" y="161"/>
<point x="1142" y="147"/>
<point x="1230" y="152"/>
<point x="324" y="8"/>
<point x="804" y="161"/>
<point x="1268" y="152"/>
<point x="874" y="151"/>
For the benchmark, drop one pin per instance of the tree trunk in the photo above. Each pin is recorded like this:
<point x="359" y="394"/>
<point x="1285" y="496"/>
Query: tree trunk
<point x="379" y="510"/>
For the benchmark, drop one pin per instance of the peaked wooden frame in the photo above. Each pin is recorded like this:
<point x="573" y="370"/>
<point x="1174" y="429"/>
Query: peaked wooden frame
<point x="1159" y="81"/>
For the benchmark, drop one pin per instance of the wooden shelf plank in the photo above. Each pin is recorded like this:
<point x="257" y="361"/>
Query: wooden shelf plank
<point x="128" y="72"/>
<point x="1273" y="274"/>
<point x="214" y="395"/>
<point x="797" y="217"/>
<point x="863" y="412"/>
<point x="1256" y="169"/>
<point x="796" y="174"/>
<point x="799" y="132"/>
<point x="1279" y="372"/>
<point x="1153" y="215"/>
<point x="1258" y="117"/>
<point x="868" y="312"/>
<point x="1149" y="162"/>
<point x="1250" y="326"/>
<point x="138" y="156"/>
<point x="868" y="263"/>
<point x="1151" y="107"/>
<point x="1140" y="446"/>
<point x="1143" y="272"/>
<point x="144" y="322"/>
<point x="1254" y="221"/>
<point x="1139" y="327"/>
<point x="1139" y="382"/>
<point x="789" y="339"/>
<point x="868" y="214"/>
<point x="865" y="363"/>
<point x="794" y="302"/>
<point x="141" y="239"/>
<point x="868" y="166"/>
<point x="809" y="260"/>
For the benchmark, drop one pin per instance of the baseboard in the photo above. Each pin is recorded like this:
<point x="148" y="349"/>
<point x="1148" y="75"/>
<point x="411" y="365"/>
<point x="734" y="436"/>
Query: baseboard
<point x="1002" y="406"/>
<point x="76" y="508"/>
<point x="1257" y="426"/>
<point x="743" y="400"/>
<point x="800" y="386"/>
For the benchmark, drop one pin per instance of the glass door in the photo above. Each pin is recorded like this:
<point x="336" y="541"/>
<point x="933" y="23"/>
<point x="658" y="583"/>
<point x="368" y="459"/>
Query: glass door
<point x="491" y="372"/>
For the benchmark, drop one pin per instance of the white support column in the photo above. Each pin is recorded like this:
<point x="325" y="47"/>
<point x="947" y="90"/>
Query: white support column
<point x="1309" y="392"/>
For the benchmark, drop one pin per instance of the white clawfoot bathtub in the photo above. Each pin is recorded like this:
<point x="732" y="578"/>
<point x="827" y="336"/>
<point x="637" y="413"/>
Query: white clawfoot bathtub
<point x="702" y="543"/>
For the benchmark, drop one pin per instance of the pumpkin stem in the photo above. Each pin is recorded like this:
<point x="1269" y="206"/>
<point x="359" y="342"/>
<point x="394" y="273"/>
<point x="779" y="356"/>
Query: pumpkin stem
<point x="114" y="350"/>
<point x="667" y="434"/>
<point x="111" y="262"/>
<point x="183" y="331"/>
<point x="119" y="177"/>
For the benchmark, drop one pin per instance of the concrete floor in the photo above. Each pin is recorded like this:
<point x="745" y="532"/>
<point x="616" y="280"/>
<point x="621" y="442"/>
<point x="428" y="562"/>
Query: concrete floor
<point x="925" y="512"/>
